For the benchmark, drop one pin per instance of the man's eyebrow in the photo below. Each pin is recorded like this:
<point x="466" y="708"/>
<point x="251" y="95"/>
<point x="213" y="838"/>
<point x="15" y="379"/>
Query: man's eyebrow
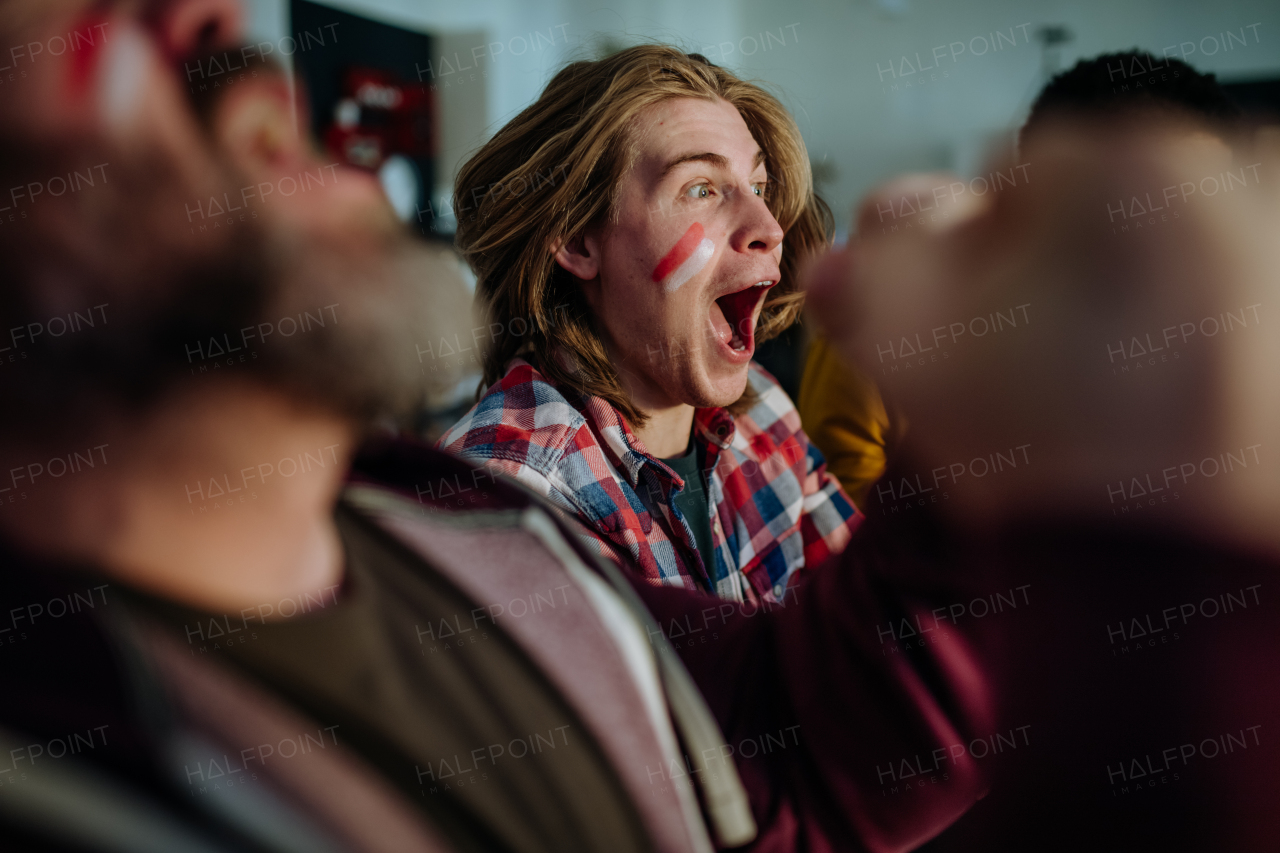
<point x="717" y="160"/>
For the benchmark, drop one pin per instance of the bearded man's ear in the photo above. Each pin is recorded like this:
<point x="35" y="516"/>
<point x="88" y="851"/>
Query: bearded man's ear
<point x="254" y="124"/>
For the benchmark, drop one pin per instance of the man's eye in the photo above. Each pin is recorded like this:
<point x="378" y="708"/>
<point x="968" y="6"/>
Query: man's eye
<point x="758" y="189"/>
<point x="698" y="191"/>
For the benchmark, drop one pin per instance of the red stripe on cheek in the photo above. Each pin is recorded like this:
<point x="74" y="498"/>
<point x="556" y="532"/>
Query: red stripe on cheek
<point x="679" y="253"/>
<point x="85" y="53"/>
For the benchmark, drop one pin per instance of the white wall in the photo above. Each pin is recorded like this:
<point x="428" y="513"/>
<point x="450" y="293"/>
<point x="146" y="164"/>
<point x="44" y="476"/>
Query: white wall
<point x="495" y="56"/>
<point x="838" y="83"/>
<point x="828" y="60"/>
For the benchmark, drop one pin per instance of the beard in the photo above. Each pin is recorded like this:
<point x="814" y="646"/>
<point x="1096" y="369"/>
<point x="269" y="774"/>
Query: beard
<point x="329" y="324"/>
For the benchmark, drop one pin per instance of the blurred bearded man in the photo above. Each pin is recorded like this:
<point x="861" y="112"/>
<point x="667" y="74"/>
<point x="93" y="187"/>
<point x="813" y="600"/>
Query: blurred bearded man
<point x="232" y="620"/>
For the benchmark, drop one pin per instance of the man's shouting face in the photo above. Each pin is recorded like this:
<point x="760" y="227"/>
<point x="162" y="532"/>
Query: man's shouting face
<point x="677" y="277"/>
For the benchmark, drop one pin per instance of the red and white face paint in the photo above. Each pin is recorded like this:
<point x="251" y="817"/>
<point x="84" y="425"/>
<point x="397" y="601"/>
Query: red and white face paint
<point x="123" y="84"/>
<point x="687" y="258"/>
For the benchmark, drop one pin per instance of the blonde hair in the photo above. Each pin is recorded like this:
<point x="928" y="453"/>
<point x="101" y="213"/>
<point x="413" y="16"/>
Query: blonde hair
<point x="557" y="168"/>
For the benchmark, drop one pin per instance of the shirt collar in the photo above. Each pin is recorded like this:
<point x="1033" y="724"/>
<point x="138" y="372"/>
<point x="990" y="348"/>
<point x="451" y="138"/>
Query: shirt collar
<point x="714" y="426"/>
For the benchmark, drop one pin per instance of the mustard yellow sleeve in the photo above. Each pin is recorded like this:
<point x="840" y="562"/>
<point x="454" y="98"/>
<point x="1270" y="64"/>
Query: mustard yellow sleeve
<point x="844" y="416"/>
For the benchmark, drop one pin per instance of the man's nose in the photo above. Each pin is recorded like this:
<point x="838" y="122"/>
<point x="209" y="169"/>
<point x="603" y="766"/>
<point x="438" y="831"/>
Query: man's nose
<point x="184" y="28"/>
<point x="757" y="230"/>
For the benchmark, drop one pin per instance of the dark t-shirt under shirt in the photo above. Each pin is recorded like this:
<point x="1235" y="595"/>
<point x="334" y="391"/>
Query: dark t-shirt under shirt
<point x="693" y="501"/>
<point x="466" y="726"/>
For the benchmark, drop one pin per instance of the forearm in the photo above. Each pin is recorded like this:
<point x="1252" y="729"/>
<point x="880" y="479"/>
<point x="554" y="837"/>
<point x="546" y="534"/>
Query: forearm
<point x="819" y="717"/>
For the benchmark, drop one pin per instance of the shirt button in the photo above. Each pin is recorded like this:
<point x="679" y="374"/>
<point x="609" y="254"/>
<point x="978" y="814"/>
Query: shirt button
<point x="778" y="590"/>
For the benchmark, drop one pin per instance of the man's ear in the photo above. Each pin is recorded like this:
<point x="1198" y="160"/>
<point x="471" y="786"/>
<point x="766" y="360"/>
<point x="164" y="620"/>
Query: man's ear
<point x="254" y="125"/>
<point x="579" y="255"/>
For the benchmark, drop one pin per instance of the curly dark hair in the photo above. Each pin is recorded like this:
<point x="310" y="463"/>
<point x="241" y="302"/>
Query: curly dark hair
<point x="1134" y="80"/>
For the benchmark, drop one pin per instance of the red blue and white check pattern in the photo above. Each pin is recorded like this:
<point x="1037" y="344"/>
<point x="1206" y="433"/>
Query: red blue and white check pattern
<point x="774" y="508"/>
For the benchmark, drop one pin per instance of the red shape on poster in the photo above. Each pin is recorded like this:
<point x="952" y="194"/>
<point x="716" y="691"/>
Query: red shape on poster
<point x="380" y="115"/>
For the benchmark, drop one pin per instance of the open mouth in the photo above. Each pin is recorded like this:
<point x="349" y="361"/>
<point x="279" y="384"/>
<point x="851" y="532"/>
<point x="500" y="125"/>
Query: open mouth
<point x="733" y="316"/>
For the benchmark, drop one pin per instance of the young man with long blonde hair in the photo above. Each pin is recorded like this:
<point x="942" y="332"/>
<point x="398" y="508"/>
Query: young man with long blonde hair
<point x="634" y="290"/>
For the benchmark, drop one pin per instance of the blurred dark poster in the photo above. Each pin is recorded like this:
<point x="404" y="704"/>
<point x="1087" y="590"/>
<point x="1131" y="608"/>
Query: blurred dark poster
<point x="367" y="105"/>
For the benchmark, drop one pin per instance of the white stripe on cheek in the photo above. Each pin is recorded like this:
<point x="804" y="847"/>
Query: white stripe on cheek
<point x="124" y="78"/>
<point x="691" y="267"/>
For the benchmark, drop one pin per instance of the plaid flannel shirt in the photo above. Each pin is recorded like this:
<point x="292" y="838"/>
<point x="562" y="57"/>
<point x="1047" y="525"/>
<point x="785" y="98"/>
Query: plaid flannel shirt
<point x="774" y="508"/>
